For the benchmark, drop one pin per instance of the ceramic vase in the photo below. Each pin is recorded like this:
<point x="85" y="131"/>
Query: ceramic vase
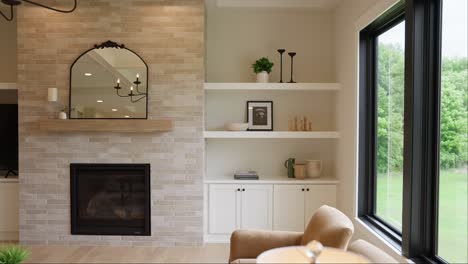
<point x="262" y="77"/>
<point x="314" y="168"/>
<point x="62" y="115"/>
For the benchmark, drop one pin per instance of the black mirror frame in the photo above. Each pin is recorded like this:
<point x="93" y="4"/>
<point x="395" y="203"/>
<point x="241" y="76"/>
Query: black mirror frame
<point x="108" y="44"/>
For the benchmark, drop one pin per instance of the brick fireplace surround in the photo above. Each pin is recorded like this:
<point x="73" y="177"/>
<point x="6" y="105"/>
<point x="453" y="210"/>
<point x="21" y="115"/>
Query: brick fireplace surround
<point x="169" y="35"/>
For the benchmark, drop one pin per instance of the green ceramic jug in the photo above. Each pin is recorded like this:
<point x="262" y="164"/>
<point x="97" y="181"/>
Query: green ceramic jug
<point x="289" y="164"/>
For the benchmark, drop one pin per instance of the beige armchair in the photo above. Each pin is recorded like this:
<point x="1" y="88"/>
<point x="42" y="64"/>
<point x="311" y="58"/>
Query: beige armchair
<point x="371" y="252"/>
<point x="328" y="225"/>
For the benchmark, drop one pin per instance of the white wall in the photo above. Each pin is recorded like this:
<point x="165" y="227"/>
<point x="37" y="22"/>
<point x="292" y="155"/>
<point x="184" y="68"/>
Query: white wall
<point x="236" y="37"/>
<point x="350" y="18"/>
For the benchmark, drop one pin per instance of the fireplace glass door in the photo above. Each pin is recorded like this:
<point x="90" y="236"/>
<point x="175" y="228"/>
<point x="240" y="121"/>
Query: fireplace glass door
<point x="110" y="199"/>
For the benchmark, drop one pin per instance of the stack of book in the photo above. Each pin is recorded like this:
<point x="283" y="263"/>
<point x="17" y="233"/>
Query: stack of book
<point x="246" y="175"/>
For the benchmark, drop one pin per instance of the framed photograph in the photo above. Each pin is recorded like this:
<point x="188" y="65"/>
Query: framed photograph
<point x="260" y="115"/>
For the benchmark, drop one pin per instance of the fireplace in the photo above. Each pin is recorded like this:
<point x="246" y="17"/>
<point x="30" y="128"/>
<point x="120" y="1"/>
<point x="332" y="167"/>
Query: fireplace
<point x="110" y="199"/>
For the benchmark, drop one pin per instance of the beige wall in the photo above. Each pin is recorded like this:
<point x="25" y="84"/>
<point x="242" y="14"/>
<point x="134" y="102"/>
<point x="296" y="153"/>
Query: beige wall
<point x="7" y="50"/>
<point x="350" y="17"/>
<point x="236" y="37"/>
<point x="168" y="34"/>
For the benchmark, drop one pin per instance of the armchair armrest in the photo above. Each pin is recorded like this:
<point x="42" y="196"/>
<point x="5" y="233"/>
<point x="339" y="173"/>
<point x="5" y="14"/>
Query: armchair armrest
<point x="249" y="244"/>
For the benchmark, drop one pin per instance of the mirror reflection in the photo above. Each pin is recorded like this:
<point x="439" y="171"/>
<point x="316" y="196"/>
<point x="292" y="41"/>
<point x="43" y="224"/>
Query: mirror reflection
<point x="109" y="82"/>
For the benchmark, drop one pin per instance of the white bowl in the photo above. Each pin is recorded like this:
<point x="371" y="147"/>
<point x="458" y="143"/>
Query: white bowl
<point x="237" y="126"/>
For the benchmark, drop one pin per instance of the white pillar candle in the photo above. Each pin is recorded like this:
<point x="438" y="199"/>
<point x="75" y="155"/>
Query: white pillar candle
<point x="52" y="94"/>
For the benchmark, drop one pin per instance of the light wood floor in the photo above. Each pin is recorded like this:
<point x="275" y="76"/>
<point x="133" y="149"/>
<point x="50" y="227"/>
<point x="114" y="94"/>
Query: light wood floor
<point x="210" y="253"/>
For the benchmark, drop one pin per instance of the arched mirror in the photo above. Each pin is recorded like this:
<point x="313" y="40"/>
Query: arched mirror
<point x="109" y="81"/>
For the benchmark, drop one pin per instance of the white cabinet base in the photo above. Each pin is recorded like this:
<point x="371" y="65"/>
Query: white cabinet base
<point x="282" y="207"/>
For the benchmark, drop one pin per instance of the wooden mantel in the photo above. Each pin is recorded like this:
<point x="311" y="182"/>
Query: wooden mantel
<point x="106" y="125"/>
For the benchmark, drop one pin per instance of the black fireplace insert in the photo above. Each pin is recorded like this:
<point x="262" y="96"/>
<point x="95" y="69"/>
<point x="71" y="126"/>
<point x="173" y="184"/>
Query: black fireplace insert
<point x="110" y="199"/>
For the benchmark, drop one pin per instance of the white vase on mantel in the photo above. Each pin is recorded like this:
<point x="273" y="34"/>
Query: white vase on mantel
<point x="262" y="77"/>
<point x="62" y="115"/>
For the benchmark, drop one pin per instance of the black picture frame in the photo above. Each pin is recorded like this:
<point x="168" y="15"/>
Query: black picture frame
<point x="268" y="126"/>
<point x="104" y="45"/>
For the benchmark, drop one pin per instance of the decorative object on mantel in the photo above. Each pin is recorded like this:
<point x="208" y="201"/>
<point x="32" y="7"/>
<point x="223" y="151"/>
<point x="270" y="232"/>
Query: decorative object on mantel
<point x="246" y="175"/>
<point x="302" y="124"/>
<point x="292" y="54"/>
<point x="109" y="81"/>
<point x="314" y="168"/>
<point x="262" y="67"/>
<point x="289" y="165"/>
<point x="237" y="126"/>
<point x="52" y="96"/>
<point x="13" y="3"/>
<point x="281" y="51"/>
<point x="260" y="115"/>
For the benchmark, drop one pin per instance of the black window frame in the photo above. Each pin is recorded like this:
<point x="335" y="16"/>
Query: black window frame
<point x="423" y="26"/>
<point x="368" y="86"/>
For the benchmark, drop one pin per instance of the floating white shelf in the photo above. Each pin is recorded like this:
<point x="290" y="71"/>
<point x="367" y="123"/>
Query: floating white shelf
<point x="271" y="134"/>
<point x="274" y="86"/>
<point x="274" y="180"/>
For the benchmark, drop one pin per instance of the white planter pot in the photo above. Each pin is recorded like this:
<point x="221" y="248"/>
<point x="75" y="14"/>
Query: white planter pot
<point x="62" y="115"/>
<point x="262" y="77"/>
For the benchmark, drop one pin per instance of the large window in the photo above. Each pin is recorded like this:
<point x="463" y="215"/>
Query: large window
<point x="382" y="81"/>
<point x="390" y="108"/>
<point x="413" y="128"/>
<point x="453" y="179"/>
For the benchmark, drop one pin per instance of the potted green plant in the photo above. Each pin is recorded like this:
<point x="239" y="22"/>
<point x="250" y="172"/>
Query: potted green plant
<point x="13" y="254"/>
<point x="262" y="67"/>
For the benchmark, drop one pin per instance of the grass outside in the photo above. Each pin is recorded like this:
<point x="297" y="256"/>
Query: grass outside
<point x="453" y="212"/>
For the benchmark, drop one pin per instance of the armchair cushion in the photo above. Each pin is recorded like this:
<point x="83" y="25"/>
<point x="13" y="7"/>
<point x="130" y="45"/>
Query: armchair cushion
<point x="329" y="226"/>
<point x="248" y="244"/>
<point x="373" y="253"/>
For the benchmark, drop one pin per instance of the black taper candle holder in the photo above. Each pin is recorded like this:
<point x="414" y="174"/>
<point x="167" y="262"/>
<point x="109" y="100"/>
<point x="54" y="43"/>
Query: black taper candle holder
<point x="281" y="51"/>
<point x="292" y="54"/>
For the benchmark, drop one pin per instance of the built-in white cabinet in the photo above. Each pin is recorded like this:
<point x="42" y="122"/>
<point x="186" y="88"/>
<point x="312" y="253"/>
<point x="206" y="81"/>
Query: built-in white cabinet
<point x="294" y="205"/>
<point x="233" y="206"/>
<point x="289" y="205"/>
<point x="263" y="206"/>
<point x="257" y="207"/>
<point x="9" y="210"/>
<point x="224" y="206"/>
<point x="316" y="196"/>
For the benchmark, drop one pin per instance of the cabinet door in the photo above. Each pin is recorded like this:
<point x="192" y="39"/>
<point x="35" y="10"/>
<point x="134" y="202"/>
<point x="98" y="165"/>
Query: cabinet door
<point x="288" y="208"/>
<point x="316" y="196"/>
<point x="257" y="207"/>
<point x="223" y="208"/>
<point x="9" y="207"/>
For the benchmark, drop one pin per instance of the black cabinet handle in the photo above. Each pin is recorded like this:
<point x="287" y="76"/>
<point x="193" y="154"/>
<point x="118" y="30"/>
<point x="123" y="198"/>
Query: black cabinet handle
<point x="302" y="189"/>
<point x="238" y="190"/>
<point x="307" y="189"/>
<point x="243" y="190"/>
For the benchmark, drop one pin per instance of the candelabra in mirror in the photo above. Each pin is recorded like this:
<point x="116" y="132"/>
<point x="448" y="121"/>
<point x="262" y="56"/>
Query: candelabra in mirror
<point x="132" y="94"/>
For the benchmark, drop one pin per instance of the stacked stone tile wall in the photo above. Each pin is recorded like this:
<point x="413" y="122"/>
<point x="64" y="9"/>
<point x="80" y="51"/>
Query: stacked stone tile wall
<point x="169" y="35"/>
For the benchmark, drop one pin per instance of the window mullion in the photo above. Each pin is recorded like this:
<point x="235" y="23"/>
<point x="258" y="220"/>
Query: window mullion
<point x="421" y="139"/>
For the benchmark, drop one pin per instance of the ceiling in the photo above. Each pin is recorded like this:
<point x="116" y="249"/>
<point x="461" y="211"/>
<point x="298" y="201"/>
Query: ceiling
<point x="320" y="4"/>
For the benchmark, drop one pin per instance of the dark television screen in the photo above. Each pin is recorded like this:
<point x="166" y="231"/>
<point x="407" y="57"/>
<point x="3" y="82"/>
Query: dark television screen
<point x="9" y="137"/>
